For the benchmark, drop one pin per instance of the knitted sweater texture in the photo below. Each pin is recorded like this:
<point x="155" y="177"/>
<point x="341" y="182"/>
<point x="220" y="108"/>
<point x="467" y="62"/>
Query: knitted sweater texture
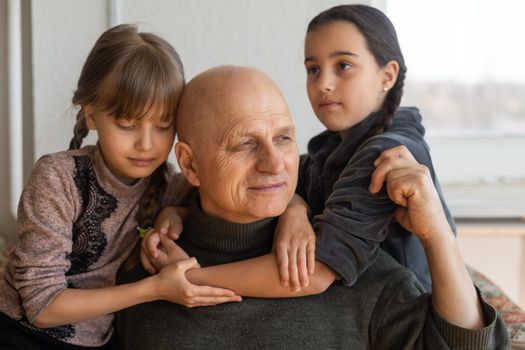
<point x="386" y="308"/>
<point x="76" y="225"/>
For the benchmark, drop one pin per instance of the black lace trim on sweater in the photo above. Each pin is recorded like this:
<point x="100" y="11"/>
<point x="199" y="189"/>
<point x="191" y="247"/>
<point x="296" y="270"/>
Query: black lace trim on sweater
<point x="89" y="241"/>
<point x="61" y="333"/>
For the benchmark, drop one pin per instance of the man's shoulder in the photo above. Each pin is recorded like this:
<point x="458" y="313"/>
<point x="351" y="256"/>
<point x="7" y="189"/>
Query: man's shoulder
<point x="386" y="273"/>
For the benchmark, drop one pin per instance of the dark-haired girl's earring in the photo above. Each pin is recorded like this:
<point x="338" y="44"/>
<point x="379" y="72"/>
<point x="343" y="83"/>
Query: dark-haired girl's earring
<point x="385" y="89"/>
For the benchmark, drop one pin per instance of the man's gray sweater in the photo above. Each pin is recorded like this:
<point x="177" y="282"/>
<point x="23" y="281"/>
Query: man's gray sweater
<point x="386" y="308"/>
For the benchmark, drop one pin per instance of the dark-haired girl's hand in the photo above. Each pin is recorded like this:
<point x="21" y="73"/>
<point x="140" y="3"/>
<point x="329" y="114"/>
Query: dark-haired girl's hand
<point x="294" y="245"/>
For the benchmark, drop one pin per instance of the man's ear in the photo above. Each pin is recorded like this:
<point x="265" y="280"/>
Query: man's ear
<point x="187" y="163"/>
<point x="89" y="116"/>
<point x="390" y="72"/>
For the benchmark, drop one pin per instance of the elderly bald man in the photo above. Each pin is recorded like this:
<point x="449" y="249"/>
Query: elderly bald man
<point x="237" y="146"/>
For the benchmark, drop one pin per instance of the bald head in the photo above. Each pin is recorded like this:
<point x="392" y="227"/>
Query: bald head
<point x="219" y="95"/>
<point x="237" y="144"/>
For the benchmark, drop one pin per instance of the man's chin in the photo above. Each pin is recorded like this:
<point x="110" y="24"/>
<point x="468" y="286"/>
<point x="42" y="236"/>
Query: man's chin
<point x="264" y="213"/>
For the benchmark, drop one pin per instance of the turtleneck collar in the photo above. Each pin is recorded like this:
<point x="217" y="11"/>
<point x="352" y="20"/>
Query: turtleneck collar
<point x="223" y="237"/>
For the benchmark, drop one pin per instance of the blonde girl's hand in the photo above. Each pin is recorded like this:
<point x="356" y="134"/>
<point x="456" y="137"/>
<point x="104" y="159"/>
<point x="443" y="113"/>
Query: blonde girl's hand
<point x="167" y="252"/>
<point x="172" y="285"/>
<point x="169" y="222"/>
<point x="150" y="250"/>
<point x="294" y="245"/>
<point x="409" y="184"/>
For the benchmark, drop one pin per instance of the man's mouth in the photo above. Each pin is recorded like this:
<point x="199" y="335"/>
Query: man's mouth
<point x="269" y="187"/>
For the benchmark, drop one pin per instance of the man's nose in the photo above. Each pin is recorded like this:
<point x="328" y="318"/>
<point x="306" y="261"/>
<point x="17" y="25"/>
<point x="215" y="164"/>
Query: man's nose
<point x="270" y="160"/>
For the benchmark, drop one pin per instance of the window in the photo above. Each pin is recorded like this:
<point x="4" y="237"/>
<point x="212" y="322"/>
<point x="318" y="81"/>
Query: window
<point x="465" y="62"/>
<point x="465" y="72"/>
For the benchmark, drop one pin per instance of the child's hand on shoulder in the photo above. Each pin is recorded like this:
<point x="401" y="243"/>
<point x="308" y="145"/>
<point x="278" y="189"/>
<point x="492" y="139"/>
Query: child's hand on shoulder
<point x="294" y="245"/>
<point x="170" y="220"/>
<point x="155" y="254"/>
<point x="166" y="251"/>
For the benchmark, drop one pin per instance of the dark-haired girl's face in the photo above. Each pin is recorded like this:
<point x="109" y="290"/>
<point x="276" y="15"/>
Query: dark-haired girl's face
<point x="344" y="82"/>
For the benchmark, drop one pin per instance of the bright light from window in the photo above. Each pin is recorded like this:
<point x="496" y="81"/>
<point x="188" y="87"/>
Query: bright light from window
<point x="465" y="62"/>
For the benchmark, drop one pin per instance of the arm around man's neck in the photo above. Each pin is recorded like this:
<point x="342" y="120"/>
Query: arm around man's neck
<point x="259" y="277"/>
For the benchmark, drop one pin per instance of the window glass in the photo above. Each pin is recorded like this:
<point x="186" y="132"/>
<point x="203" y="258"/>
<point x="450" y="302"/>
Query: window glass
<point x="466" y="63"/>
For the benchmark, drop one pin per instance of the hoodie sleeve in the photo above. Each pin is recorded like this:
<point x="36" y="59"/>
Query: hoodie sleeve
<point x="353" y="221"/>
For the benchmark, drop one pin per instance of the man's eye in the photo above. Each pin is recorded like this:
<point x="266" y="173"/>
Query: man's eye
<point x="284" y="139"/>
<point x="248" y="143"/>
<point x="242" y="146"/>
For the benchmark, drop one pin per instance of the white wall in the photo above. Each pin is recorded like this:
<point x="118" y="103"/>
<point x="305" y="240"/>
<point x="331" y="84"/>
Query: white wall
<point x="63" y="33"/>
<point x="6" y="217"/>
<point x="264" y="34"/>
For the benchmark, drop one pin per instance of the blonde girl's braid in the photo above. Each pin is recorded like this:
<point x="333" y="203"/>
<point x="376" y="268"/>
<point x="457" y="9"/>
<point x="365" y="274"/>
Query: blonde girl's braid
<point x="150" y="201"/>
<point x="80" y="131"/>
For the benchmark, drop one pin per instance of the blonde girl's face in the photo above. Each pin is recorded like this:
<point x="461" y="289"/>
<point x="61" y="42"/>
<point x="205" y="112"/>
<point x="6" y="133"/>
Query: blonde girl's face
<point x="344" y="82"/>
<point x="132" y="149"/>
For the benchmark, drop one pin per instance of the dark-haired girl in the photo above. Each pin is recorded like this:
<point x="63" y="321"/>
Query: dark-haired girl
<point x="355" y="76"/>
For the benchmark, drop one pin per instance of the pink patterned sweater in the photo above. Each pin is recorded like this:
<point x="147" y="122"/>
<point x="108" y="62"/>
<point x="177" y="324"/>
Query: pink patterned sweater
<point x="76" y="225"/>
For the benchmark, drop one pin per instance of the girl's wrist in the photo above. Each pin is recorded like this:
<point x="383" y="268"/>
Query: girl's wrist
<point x="194" y="276"/>
<point x="296" y="208"/>
<point x="151" y="289"/>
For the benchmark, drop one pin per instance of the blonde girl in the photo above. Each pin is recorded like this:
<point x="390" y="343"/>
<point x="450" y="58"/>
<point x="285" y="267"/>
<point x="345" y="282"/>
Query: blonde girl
<point x="78" y="213"/>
